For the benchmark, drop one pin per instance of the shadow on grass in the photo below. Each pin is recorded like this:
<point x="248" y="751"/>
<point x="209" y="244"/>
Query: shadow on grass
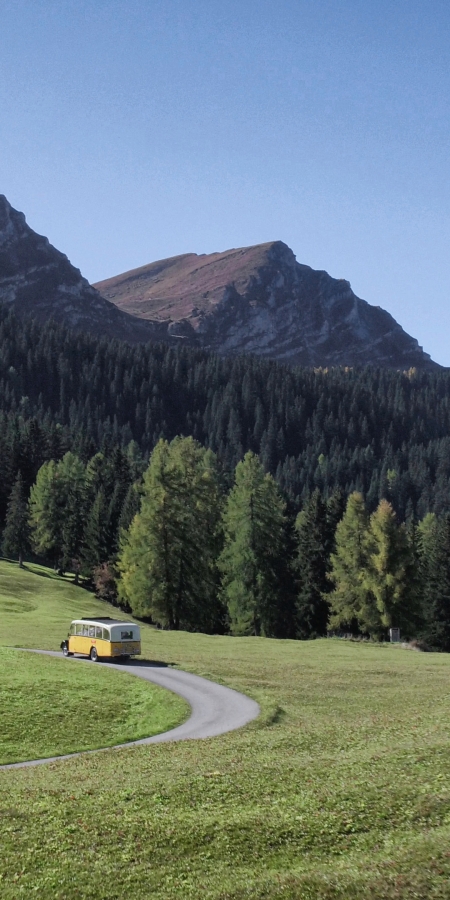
<point x="140" y="663"/>
<point x="33" y="571"/>
<point x="28" y="567"/>
<point x="52" y="574"/>
<point x="104" y="661"/>
<point x="272" y="716"/>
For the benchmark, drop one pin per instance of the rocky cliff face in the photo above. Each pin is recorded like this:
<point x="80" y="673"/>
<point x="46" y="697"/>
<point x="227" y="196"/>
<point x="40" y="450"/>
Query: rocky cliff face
<point x="260" y="300"/>
<point x="39" y="281"/>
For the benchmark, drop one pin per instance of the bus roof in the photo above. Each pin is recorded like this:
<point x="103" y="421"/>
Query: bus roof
<point x="100" y="619"/>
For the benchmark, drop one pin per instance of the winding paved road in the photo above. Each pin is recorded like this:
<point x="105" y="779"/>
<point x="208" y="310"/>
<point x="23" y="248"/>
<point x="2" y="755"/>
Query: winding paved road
<point x="215" y="709"/>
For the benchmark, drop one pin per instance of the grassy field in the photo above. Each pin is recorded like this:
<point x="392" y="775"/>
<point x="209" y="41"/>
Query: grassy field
<point x="341" y="789"/>
<point x="41" y="699"/>
<point x="37" y="606"/>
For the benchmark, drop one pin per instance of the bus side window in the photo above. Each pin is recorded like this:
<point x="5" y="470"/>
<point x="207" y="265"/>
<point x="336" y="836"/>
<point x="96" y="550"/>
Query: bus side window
<point x="98" y="631"/>
<point x="91" y="630"/>
<point x="86" y="630"/>
<point x="72" y="629"/>
<point x="79" y="629"/>
<point x="105" y="634"/>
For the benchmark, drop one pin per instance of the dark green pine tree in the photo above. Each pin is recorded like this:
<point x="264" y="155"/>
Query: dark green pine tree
<point x="427" y="544"/>
<point x="311" y="566"/>
<point x="254" y="527"/>
<point x="119" y="482"/>
<point x="284" y="619"/>
<point x="46" y="513"/>
<point x="334" y="511"/>
<point x="434" y="555"/>
<point x="17" y="531"/>
<point x="95" y="543"/>
<point x="131" y="506"/>
<point x="72" y="475"/>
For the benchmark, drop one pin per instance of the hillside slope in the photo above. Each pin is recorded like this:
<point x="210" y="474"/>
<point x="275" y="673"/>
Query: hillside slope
<point x="38" y="280"/>
<point x="261" y="300"/>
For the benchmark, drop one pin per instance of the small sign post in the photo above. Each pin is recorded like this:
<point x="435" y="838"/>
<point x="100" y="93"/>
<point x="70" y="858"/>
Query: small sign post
<point x="394" y="635"/>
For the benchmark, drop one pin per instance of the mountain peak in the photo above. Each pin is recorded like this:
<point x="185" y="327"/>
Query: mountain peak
<point x="255" y="299"/>
<point x="38" y="281"/>
<point x="260" y="300"/>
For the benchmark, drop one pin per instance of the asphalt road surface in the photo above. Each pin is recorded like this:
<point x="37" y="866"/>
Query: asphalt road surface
<point x="215" y="709"/>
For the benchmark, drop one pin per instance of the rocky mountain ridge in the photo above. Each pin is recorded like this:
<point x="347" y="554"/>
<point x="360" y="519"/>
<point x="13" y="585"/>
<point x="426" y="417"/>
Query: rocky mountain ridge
<point x="256" y="300"/>
<point x="38" y="280"/>
<point x="260" y="300"/>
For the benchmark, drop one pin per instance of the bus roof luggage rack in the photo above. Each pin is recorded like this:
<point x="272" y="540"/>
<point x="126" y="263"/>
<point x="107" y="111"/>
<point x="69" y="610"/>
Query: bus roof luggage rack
<point x="103" y="619"/>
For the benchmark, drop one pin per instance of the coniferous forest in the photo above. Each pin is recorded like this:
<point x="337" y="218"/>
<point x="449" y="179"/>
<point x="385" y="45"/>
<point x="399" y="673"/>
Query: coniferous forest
<point x="297" y="488"/>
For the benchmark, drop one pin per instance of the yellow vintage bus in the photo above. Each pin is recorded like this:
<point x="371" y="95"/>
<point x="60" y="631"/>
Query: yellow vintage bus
<point x="102" y="638"/>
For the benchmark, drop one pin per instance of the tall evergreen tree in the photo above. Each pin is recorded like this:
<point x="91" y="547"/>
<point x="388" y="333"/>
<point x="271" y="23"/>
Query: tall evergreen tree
<point x="46" y="513"/>
<point x="131" y="506"/>
<point x="334" y="511"/>
<point x="95" y="543"/>
<point x="352" y="606"/>
<point x="116" y="489"/>
<point x="72" y="477"/>
<point x="434" y="557"/>
<point x="389" y="575"/>
<point x="16" y="536"/>
<point x="311" y="566"/>
<point x="58" y="510"/>
<point x="167" y="560"/>
<point x="254" y="528"/>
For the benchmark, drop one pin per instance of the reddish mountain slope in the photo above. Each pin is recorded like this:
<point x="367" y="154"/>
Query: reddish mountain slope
<point x="173" y="289"/>
<point x="261" y="300"/>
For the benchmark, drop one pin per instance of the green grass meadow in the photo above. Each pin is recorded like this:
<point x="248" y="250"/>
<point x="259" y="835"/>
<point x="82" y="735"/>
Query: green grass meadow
<point x="41" y="700"/>
<point x="341" y="789"/>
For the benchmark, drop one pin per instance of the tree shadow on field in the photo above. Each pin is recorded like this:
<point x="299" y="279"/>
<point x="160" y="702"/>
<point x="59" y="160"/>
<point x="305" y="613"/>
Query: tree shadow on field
<point x="53" y="576"/>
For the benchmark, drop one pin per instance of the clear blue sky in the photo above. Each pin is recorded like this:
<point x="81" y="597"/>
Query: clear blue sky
<point x="132" y="131"/>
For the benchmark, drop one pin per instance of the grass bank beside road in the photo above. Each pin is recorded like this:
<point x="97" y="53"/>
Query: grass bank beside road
<point x="49" y="707"/>
<point x="341" y="789"/>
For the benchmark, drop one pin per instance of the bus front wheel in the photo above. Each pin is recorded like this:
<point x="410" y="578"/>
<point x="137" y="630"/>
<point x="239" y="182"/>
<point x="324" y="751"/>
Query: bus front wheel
<point x="93" y="655"/>
<point x="65" y="649"/>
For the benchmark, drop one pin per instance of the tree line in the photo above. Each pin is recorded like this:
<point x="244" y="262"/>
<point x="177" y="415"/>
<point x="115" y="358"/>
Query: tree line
<point x="383" y="433"/>
<point x="178" y="545"/>
<point x="74" y="512"/>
